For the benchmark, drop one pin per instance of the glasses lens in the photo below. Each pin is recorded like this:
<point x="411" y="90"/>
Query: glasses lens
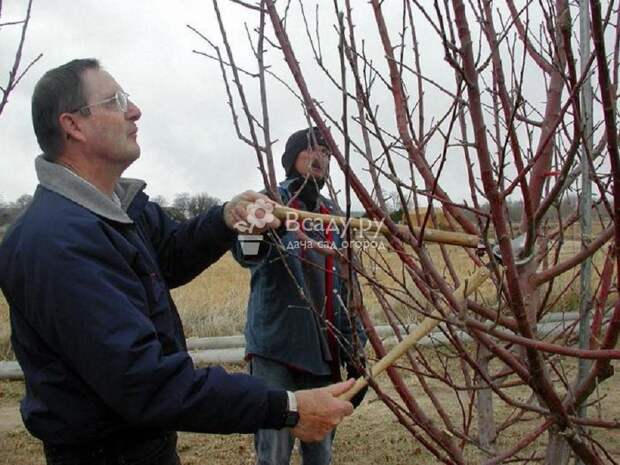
<point x="121" y="101"/>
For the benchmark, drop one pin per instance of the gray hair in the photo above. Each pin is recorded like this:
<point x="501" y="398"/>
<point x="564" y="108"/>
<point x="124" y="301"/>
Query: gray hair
<point x="59" y="91"/>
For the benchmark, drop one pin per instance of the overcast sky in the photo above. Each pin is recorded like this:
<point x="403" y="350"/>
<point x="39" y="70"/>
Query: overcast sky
<point x="186" y="132"/>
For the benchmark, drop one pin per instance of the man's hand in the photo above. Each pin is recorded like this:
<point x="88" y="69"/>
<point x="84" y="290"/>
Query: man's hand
<point x="320" y="411"/>
<point x="250" y="213"/>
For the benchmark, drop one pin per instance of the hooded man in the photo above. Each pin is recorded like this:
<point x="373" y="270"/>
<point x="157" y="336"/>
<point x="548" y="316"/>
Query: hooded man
<point x="298" y="331"/>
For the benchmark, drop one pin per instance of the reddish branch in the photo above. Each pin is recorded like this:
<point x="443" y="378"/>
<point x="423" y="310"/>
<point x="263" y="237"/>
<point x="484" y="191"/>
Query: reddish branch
<point x="351" y="53"/>
<point x="521" y="444"/>
<point x="269" y="182"/>
<point x="539" y="379"/>
<point x="401" y="113"/>
<point x="14" y="74"/>
<point x="374" y="213"/>
<point x="544" y="346"/>
<point x="602" y="368"/>
<point x="512" y="340"/>
<point x="523" y="35"/>
<point x="609" y="104"/>
<point x="552" y="110"/>
<point x="601" y="300"/>
<point x="509" y="115"/>
<point x="591" y="249"/>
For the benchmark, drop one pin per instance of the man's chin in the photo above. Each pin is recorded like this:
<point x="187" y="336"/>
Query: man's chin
<point x="129" y="158"/>
<point x="314" y="173"/>
<point x="135" y="153"/>
<point x="319" y="180"/>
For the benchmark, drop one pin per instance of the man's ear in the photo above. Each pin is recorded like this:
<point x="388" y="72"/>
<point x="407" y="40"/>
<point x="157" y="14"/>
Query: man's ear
<point x="71" y="125"/>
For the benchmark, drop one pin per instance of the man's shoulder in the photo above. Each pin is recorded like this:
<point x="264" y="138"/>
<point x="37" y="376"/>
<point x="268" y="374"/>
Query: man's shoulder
<point x="49" y="230"/>
<point x="51" y="217"/>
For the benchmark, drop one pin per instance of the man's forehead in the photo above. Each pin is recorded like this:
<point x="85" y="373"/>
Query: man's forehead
<point x="98" y="83"/>
<point x="321" y="147"/>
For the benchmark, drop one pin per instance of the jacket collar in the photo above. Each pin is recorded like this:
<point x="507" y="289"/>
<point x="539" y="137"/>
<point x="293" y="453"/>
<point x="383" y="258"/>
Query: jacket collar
<point x="64" y="182"/>
<point x="321" y="199"/>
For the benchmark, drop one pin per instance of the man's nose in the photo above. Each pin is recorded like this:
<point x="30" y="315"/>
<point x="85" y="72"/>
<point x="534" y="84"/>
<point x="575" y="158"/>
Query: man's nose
<point x="133" y="111"/>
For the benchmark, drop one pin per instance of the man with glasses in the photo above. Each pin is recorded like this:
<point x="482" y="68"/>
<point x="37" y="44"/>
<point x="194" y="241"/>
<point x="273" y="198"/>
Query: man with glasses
<point x="86" y="271"/>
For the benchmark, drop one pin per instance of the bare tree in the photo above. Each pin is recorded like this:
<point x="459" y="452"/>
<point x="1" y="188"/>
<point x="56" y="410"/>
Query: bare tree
<point x="23" y="201"/>
<point x="512" y="119"/>
<point x="180" y="205"/>
<point x="160" y="200"/>
<point x="200" y="203"/>
<point x="9" y="211"/>
<point x="16" y="73"/>
<point x="185" y="205"/>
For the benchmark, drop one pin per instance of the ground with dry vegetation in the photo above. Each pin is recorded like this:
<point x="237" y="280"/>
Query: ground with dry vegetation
<point x="214" y="305"/>
<point x="370" y="437"/>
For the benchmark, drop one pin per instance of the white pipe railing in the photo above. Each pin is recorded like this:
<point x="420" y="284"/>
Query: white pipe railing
<point x="231" y="342"/>
<point x="231" y="349"/>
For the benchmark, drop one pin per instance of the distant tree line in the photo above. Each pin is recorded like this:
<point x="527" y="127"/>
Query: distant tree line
<point x="186" y="206"/>
<point x="183" y="207"/>
<point x="9" y="211"/>
<point x="514" y="210"/>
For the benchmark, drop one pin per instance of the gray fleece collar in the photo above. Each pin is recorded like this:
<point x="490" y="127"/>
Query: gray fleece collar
<point x="64" y="182"/>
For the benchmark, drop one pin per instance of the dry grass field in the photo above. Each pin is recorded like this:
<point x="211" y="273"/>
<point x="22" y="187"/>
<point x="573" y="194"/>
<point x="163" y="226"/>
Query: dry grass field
<point x="371" y="436"/>
<point x="214" y="304"/>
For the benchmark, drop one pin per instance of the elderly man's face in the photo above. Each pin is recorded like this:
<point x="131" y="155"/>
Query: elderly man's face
<point x="110" y="133"/>
<point x="313" y="162"/>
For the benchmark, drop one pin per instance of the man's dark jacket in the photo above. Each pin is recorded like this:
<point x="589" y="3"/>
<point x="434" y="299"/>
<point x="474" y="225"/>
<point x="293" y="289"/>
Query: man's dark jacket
<point x="93" y="324"/>
<point x="286" y="319"/>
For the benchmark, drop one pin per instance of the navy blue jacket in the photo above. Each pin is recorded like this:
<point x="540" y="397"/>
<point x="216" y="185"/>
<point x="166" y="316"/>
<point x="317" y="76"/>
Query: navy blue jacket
<point x="286" y="319"/>
<point x="97" y="334"/>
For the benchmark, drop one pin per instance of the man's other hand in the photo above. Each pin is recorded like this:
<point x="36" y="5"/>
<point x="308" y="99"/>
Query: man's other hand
<point x="250" y="213"/>
<point x="320" y="411"/>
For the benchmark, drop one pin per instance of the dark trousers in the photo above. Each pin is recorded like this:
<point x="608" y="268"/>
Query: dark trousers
<point x="157" y="450"/>
<point x="274" y="447"/>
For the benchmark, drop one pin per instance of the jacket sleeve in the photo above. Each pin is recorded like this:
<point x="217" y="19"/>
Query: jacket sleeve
<point x="185" y="249"/>
<point x="93" y="308"/>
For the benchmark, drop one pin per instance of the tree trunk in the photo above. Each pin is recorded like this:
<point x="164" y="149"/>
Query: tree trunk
<point x="558" y="450"/>
<point x="484" y="404"/>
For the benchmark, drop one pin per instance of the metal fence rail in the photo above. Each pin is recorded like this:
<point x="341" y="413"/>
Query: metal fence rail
<point x="231" y="349"/>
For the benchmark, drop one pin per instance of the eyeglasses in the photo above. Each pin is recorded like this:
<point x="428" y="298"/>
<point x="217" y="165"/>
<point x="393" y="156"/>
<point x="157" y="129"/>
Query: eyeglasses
<point x="120" y="98"/>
